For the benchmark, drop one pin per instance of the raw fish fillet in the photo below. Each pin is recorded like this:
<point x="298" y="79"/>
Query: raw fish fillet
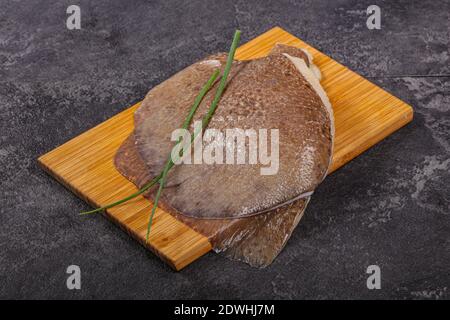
<point x="245" y="215"/>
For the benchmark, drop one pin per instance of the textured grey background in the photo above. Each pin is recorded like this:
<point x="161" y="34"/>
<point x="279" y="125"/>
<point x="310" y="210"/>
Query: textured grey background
<point x="388" y="207"/>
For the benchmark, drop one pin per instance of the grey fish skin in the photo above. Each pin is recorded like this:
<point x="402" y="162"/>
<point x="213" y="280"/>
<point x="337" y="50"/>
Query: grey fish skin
<point x="266" y="93"/>
<point x="255" y="240"/>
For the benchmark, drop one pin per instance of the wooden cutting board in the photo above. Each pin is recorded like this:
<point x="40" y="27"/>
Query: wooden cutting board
<point x="364" y="115"/>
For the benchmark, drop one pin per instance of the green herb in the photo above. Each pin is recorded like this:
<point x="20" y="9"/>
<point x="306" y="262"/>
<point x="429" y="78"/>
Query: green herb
<point x="205" y="122"/>
<point x="161" y="178"/>
<point x="188" y="119"/>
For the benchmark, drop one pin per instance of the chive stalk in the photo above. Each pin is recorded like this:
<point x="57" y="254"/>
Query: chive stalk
<point x="162" y="177"/>
<point x="205" y="121"/>
<point x="186" y="123"/>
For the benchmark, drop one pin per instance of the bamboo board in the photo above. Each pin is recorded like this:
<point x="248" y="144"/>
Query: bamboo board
<point x="364" y="115"/>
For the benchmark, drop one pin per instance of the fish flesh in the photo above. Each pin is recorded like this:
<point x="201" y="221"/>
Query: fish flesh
<point x="253" y="221"/>
<point x="267" y="93"/>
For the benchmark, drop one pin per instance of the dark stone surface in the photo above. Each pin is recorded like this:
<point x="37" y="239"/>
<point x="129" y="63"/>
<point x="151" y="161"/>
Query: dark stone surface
<point x="388" y="207"/>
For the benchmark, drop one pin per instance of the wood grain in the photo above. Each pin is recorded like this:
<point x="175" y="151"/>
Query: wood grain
<point x="364" y="115"/>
